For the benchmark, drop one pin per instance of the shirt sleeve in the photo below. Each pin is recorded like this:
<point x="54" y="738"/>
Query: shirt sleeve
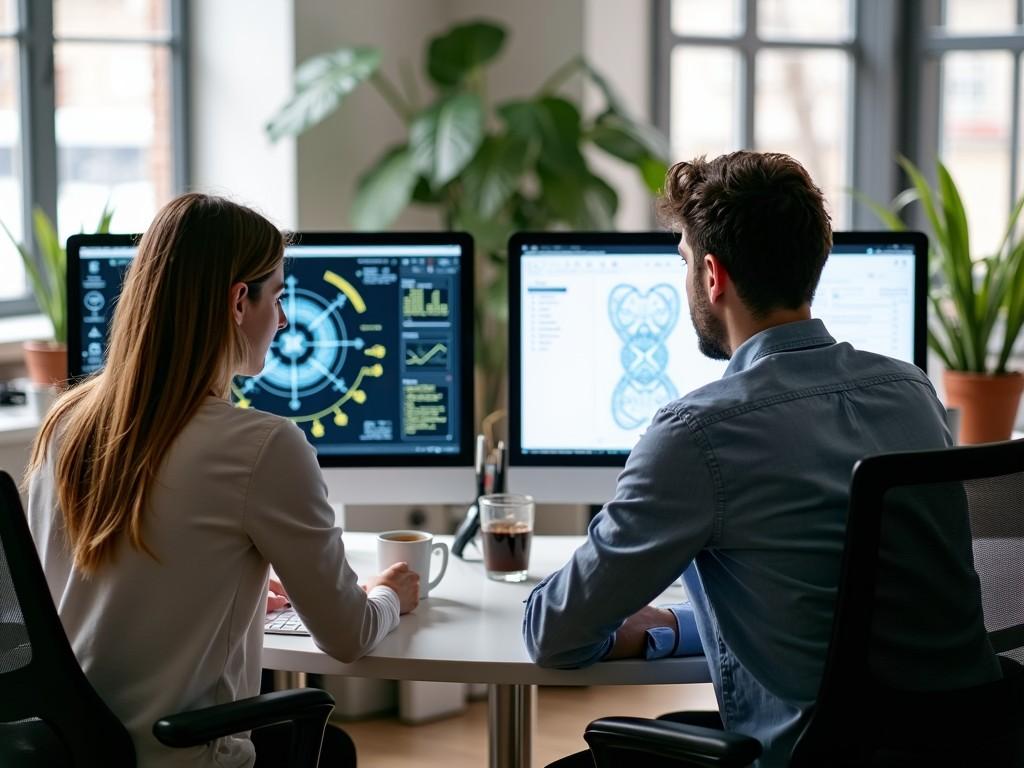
<point x="662" y="514"/>
<point x="290" y="521"/>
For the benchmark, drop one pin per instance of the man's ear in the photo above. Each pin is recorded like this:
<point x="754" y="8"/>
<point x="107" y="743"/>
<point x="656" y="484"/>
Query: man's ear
<point x="716" y="278"/>
<point x="239" y="294"/>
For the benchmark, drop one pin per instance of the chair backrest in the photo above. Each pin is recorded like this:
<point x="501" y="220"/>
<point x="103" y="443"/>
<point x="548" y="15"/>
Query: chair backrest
<point x="973" y="497"/>
<point x="47" y="702"/>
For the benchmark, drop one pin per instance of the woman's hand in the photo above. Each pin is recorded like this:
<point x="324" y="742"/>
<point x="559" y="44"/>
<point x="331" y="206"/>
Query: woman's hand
<point x="405" y="583"/>
<point x="277" y="598"/>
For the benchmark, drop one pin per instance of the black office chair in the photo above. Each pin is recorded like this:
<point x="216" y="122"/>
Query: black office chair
<point x="856" y="720"/>
<point x="51" y="716"/>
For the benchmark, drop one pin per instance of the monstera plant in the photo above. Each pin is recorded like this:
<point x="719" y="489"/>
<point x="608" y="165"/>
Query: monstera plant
<point x="488" y="168"/>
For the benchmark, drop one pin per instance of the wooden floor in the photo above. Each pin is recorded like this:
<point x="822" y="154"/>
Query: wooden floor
<point x="562" y="714"/>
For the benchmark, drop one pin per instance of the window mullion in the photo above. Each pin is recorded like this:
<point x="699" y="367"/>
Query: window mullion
<point x="38" y="132"/>
<point x="181" y="136"/>
<point x="1015" y="131"/>
<point x="748" y="48"/>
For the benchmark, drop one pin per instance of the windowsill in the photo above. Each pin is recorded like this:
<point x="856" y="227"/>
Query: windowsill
<point x="14" y="330"/>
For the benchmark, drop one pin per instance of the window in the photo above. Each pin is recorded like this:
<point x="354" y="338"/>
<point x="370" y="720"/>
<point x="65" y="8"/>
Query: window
<point x="108" y="127"/>
<point x="761" y="74"/>
<point x="971" y="89"/>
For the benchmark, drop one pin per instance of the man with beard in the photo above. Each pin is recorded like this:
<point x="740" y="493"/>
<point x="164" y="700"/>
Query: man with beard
<point x="742" y="485"/>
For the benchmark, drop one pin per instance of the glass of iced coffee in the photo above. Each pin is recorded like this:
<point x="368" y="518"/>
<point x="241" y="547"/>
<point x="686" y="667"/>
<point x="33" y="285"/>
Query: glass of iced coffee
<point x="506" y="527"/>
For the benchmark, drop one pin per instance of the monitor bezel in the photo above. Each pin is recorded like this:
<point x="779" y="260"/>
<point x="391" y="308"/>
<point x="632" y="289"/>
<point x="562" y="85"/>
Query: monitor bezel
<point x="464" y="456"/>
<point x="74" y="285"/>
<point x="917" y="240"/>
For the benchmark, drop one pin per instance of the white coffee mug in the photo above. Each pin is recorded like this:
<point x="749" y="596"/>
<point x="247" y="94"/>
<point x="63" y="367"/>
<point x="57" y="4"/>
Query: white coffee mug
<point x="415" y="548"/>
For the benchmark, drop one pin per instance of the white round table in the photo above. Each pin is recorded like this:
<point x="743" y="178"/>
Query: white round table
<point x="469" y="630"/>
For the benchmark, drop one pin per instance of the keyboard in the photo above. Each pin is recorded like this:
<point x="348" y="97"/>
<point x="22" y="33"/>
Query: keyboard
<point x="284" y="622"/>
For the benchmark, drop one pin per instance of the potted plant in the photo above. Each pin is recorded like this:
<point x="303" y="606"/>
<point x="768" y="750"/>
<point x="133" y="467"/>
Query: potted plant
<point x="489" y="169"/>
<point x="47" y="360"/>
<point x="977" y="305"/>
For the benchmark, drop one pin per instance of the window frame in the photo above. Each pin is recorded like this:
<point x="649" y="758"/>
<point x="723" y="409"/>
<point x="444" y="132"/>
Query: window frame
<point x="874" y="128"/>
<point x="35" y="37"/>
<point x="929" y="42"/>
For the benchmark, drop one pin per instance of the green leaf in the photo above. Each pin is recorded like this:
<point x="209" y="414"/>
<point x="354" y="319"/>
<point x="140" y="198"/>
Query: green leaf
<point x="653" y="173"/>
<point x="55" y="266"/>
<point x="490" y="233"/>
<point x="953" y="349"/>
<point x="384" y="191"/>
<point x="320" y="85"/>
<point x="452" y="56"/>
<point x="637" y="145"/>
<point x="422" y="192"/>
<point x="611" y="98"/>
<point x="1014" y="303"/>
<point x="618" y="135"/>
<point x="552" y="126"/>
<point x="444" y="138"/>
<point x="40" y="288"/>
<point x="494" y="173"/>
<point x="962" y="276"/>
<point x="582" y="201"/>
<point x="106" y="215"/>
<point x="887" y="216"/>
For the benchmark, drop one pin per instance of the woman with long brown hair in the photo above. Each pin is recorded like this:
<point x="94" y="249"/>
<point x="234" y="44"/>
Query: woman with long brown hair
<point x="157" y="507"/>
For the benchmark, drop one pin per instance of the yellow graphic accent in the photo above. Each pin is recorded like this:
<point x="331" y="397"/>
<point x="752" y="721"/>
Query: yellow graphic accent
<point x="347" y="288"/>
<point x="423" y="359"/>
<point x="416" y="304"/>
<point x="352" y="391"/>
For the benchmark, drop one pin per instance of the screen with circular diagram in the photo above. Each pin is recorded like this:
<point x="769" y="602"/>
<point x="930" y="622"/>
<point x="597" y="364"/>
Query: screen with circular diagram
<point x="366" y="363"/>
<point x="372" y="361"/>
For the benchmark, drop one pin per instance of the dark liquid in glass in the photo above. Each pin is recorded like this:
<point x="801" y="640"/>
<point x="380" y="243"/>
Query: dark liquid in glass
<point x="507" y="547"/>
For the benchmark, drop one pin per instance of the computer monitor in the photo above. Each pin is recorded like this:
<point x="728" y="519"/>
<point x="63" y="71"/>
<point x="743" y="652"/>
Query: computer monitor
<point x="600" y="337"/>
<point x="375" y="366"/>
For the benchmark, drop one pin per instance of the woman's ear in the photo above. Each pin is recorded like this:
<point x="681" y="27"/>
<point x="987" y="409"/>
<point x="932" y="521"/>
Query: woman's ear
<point x="238" y="294"/>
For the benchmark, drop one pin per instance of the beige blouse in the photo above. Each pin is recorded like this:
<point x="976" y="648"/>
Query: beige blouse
<point x="239" y="490"/>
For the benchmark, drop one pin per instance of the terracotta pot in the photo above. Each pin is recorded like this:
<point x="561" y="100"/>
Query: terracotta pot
<point x="47" y="362"/>
<point x="988" y="403"/>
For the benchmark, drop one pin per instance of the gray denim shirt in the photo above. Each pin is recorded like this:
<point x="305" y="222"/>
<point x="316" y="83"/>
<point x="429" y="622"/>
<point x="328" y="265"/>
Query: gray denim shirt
<point x="743" y="485"/>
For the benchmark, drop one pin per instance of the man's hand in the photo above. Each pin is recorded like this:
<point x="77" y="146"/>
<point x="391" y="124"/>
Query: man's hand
<point x="277" y="598"/>
<point x="404" y="581"/>
<point x="630" y="638"/>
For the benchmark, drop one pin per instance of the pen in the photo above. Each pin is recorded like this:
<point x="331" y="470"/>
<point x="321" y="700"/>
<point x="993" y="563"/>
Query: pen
<point x="478" y="465"/>
<point x="499" y="467"/>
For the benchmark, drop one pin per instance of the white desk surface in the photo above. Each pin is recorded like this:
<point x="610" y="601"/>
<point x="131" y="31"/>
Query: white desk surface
<point x="18" y="424"/>
<point x="469" y="630"/>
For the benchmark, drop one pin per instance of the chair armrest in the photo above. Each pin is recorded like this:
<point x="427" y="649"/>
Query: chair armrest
<point x="201" y="726"/>
<point x="690" y="744"/>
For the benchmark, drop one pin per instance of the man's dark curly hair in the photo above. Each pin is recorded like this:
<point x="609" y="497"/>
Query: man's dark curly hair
<point x="761" y="215"/>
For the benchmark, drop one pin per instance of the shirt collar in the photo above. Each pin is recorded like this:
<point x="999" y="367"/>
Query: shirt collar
<point x="788" y="337"/>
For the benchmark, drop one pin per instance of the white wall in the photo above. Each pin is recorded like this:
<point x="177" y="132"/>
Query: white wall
<point x="241" y="62"/>
<point x="333" y="155"/>
<point x="617" y="42"/>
